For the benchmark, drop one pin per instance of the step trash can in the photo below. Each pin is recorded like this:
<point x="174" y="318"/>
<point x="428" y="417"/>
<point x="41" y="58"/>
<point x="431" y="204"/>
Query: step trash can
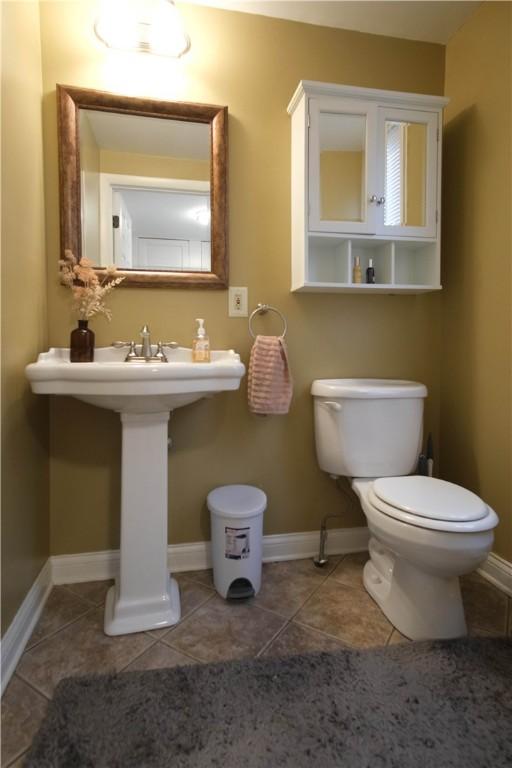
<point x="236" y="513"/>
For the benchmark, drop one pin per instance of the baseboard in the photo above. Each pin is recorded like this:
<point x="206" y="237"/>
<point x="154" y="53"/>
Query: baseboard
<point x="17" y="635"/>
<point x="86" y="566"/>
<point x="94" y="566"/>
<point x="498" y="571"/>
<point x="294" y="546"/>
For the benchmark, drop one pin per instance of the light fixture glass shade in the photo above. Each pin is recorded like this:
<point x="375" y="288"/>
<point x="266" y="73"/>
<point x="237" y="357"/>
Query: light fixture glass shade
<point x="148" y="26"/>
<point x="202" y="216"/>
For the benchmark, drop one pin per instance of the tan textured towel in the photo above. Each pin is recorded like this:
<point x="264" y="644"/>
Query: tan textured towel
<point x="270" y="387"/>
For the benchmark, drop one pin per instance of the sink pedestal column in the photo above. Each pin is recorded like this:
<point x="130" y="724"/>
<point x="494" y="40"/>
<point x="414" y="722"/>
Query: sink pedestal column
<point x="144" y="596"/>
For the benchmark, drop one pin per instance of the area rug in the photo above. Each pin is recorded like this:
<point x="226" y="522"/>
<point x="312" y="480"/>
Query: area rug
<point x="441" y="704"/>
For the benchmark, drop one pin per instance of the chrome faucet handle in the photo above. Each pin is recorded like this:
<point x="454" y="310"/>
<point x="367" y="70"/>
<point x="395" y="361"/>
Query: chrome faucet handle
<point x="160" y="354"/>
<point x="132" y="353"/>
<point x="171" y="344"/>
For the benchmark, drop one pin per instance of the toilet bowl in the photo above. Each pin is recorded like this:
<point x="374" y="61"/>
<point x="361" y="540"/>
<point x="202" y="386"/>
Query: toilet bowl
<point x="424" y="532"/>
<point x="416" y="558"/>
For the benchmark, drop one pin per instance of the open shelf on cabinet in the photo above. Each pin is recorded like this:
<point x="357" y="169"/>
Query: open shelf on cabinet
<point x="400" y="266"/>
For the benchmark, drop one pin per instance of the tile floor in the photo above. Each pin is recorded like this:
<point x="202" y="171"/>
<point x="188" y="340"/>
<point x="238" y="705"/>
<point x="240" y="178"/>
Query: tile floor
<point x="299" y="608"/>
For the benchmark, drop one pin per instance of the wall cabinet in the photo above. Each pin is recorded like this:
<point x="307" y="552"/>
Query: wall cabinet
<point x="366" y="170"/>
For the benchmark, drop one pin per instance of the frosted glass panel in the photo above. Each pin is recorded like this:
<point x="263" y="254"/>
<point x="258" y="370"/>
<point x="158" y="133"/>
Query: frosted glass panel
<point x="342" y="166"/>
<point x="406" y="174"/>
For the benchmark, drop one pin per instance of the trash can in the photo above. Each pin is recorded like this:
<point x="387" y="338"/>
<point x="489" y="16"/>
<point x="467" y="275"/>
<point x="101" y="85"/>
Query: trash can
<point x="237" y="533"/>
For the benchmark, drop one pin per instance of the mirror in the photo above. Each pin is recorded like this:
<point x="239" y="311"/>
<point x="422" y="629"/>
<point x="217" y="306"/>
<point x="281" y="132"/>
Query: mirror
<point x="406" y="174"/>
<point x="342" y="166"/>
<point x="143" y="186"/>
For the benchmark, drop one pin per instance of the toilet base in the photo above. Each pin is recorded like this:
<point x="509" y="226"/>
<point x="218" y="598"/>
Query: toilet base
<point x="422" y="606"/>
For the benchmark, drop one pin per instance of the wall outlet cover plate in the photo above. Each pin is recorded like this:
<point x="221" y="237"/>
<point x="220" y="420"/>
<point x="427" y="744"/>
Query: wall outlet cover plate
<point x="238" y="302"/>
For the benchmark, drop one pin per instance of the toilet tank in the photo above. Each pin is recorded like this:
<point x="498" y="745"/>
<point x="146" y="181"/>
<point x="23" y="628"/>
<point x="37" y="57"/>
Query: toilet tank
<point x="368" y="427"/>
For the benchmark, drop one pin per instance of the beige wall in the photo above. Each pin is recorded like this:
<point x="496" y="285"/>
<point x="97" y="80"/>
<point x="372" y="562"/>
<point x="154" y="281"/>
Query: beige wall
<point x="415" y="174"/>
<point x="476" y="352"/>
<point x="341" y="185"/>
<point x="25" y="538"/>
<point x="150" y="165"/>
<point x="253" y="65"/>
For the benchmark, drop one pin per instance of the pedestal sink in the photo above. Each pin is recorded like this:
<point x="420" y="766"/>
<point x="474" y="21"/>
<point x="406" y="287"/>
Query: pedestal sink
<point x="144" y="596"/>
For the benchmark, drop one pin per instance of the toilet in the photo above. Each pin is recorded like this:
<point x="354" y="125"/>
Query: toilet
<point x="424" y="532"/>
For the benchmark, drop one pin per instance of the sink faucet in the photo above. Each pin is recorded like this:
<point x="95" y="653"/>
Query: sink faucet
<point x="145" y="335"/>
<point x="144" y="353"/>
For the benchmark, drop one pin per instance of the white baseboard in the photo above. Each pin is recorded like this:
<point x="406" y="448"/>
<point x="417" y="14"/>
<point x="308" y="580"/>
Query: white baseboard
<point x="94" y="566"/>
<point x="86" y="566"/>
<point x="17" y="635"/>
<point x="498" y="571"/>
<point x="294" y="546"/>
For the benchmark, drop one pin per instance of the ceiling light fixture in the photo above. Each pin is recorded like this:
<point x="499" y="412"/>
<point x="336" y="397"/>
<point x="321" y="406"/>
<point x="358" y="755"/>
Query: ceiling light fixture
<point x="147" y="26"/>
<point x="202" y="216"/>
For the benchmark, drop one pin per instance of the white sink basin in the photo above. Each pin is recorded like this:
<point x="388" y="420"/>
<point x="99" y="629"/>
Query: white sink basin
<point x="144" y="596"/>
<point x="111" y="383"/>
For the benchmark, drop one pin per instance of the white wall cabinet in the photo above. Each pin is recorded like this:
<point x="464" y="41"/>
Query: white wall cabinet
<point x="366" y="170"/>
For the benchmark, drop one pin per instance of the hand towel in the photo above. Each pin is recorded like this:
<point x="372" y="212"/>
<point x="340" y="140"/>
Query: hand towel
<point x="270" y="387"/>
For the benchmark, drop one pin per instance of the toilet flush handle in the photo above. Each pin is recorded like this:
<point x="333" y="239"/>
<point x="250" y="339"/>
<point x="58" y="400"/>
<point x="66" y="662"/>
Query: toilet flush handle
<point x="332" y="404"/>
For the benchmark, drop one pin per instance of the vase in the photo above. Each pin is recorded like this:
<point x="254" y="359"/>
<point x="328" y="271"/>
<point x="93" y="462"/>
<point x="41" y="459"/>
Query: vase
<point x="81" y="345"/>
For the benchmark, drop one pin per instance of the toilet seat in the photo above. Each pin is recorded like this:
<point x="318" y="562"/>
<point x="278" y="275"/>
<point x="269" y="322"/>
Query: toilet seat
<point x="430" y="497"/>
<point x="427" y="502"/>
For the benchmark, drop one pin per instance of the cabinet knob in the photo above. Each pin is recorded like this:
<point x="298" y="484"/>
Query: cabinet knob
<point x="381" y="201"/>
<point x="372" y="199"/>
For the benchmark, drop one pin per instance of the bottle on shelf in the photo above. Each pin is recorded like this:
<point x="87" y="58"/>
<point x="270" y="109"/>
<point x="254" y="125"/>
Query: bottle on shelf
<point x="356" y="272"/>
<point x="370" y="272"/>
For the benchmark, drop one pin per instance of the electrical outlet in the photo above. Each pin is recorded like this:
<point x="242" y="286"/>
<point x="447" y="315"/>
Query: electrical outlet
<point x="238" y="302"/>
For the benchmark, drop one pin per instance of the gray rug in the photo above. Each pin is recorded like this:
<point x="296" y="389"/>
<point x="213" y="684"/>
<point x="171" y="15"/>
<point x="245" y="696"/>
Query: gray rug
<point x="441" y="705"/>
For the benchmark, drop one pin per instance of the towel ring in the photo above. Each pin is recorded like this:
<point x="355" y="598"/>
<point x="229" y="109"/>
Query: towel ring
<point x="261" y="309"/>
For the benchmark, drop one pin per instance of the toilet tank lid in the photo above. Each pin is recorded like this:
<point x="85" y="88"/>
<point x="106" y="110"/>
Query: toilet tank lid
<point x="369" y="389"/>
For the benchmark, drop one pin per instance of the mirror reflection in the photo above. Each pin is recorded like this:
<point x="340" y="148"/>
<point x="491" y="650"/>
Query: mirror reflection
<point x="342" y="166"/>
<point x="145" y="192"/>
<point x="406" y="174"/>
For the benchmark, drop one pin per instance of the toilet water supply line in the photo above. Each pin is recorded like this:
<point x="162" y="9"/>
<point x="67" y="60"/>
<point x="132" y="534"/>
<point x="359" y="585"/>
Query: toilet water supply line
<point x="322" y="558"/>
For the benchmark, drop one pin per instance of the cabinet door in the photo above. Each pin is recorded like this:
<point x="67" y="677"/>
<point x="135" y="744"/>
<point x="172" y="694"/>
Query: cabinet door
<point x="407" y="152"/>
<point x="342" y="170"/>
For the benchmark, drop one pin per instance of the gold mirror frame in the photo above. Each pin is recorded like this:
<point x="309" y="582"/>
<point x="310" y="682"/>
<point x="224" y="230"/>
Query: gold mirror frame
<point x="69" y="101"/>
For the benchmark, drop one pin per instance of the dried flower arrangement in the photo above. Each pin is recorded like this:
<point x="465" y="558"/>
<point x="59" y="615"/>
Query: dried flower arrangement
<point x="89" y="290"/>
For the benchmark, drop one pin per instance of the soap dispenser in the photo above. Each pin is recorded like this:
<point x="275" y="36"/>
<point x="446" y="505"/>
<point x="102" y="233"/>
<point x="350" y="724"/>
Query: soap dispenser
<point x="200" y="344"/>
